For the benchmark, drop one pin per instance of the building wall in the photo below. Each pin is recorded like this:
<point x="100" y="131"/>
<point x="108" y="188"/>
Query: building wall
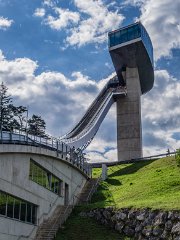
<point x="14" y="179"/>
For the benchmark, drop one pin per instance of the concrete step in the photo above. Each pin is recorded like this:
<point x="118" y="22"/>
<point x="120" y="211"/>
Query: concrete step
<point x="86" y="190"/>
<point x="49" y="227"/>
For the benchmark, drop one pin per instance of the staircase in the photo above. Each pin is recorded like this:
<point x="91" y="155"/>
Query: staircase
<point x="48" y="229"/>
<point x="89" y="188"/>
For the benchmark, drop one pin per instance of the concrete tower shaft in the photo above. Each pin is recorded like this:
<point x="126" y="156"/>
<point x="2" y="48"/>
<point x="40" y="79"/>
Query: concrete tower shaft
<point x="131" y="49"/>
<point x="129" y="134"/>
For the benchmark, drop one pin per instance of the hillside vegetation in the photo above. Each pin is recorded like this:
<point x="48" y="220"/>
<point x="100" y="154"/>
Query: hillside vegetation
<point x="80" y="228"/>
<point x="153" y="184"/>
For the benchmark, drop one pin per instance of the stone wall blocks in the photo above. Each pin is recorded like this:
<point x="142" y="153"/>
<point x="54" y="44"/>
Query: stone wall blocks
<point x="141" y="223"/>
<point x="147" y="231"/>
<point x="176" y="228"/>
<point x="119" y="226"/>
<point x="138" y="228"/>
<point x="160" y="218"/>
<point x="129" y="231"/>
<point x="168" y="225"/>
<point x="131" y="214"/>
<point x="121" y="216"/>
<point x="141" y="217"/>
<point x="177" y="238"/>
<point x="107" y="215"/>
<point x="157" y="231"/>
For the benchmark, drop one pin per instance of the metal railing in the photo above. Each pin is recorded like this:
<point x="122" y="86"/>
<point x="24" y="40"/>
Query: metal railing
<point x="93" y="189"/>
<point x="66" y="213"/>
<point x="42" y="217"/>
<point x="63" y="150"/>
<point x="95" y="114"/>
<point x="152" y="157"/>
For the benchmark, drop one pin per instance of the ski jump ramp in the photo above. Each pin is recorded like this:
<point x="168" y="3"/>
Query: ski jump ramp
<point x="132" y="55"/>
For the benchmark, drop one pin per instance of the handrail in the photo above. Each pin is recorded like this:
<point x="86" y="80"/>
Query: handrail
<point x="64" y="217"/>
<point x="93" y="189"/>
<point x="29" y="236"/>
<point x="92" y="118"/>
<point x="87" y="124"/>
<point x="53" y="144"/>
<point x="114" y="163"/>
<point x="39" y="220"/>
<point x="102" y="92"/>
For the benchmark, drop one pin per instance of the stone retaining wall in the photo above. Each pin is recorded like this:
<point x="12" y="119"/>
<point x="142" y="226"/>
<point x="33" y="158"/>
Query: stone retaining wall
<point x="139" y="223"/>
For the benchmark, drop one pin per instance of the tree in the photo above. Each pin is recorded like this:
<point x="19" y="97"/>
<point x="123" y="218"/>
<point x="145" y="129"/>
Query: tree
<point x="19" y="118"/>
<point x="6" y="114"/>
<point x="36" y="126"/>
<point x="12" y="117"/>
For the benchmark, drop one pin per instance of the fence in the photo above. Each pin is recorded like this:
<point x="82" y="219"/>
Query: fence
<point x="72" y="155"/>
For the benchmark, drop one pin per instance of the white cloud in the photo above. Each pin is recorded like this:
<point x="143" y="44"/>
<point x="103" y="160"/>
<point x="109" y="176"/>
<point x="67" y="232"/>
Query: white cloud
<point x="96" y="21"/>
<point x="134" y="2"/>
<point x="66" y="99"/>
<point x="100" y="145"/>
<point x="49" y="3"/>
<point x="111" y="155"/>
<point x="1" y="55"/>
<point x="96" y="157"/>
<point x="62" y="101"/>
<point x="89" y="24"/>
<point x="39" y="12"/>
<point x="5" y="23"/>
<point x="161" y="19"/>
<point x="161" y="114"/>
<point x="65" y="18"/>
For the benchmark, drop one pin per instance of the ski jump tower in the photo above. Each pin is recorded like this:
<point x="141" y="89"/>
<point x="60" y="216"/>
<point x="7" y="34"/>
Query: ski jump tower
<point x="132" y="55"/>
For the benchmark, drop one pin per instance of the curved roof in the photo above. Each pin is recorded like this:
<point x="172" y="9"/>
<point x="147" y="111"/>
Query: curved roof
<point x="131" y="47"/>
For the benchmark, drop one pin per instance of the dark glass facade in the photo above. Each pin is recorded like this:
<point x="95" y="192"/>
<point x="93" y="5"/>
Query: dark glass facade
<point x="16" y="208"/>
<point x="43" y="177"/>
<point x="129" y="33"/>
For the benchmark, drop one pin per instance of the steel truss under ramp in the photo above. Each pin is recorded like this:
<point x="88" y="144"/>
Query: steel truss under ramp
<point x="83" y="133"/>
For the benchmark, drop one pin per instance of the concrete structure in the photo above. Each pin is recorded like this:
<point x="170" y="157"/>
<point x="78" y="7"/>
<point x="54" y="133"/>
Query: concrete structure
<point x="132" y="55"/>
<point x="15" y="181"/>
<point x="129" y="134"/>
<point x="104" y="172"/>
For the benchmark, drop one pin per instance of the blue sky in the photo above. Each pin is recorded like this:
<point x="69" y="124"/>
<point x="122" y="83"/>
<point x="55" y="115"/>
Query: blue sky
<point x="54" y="58"/>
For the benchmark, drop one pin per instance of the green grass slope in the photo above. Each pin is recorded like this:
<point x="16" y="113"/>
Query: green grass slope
<point x="153" y="184"/>
<point x="80" y="228"/>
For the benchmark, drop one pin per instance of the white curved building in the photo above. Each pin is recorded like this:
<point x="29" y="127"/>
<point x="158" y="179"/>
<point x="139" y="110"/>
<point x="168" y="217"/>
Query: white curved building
<point x="34" y="180"/>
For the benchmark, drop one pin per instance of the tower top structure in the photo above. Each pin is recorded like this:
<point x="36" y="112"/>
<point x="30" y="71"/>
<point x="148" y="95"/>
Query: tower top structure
<point x="131" y="47"/>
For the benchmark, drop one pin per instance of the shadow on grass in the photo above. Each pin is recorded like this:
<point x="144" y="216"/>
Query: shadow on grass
<point x="113" y="181"/>
<point x="103" y="196"/>
<point x="132" y="168"/>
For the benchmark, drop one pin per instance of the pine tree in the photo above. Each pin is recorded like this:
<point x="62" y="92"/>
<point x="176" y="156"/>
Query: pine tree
<point x="19" y="117"/>
<point x="6" y="114"/>
<point x="12" y="117"/>
<point x="36" y="126"/>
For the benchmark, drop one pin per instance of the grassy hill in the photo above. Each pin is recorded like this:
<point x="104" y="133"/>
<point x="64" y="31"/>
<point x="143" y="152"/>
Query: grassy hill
<point x="79" y="228"/>
<point x="154" y="184"/>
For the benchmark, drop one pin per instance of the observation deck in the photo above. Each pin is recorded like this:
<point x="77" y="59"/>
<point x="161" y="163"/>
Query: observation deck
<point x="131" y="47"/>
